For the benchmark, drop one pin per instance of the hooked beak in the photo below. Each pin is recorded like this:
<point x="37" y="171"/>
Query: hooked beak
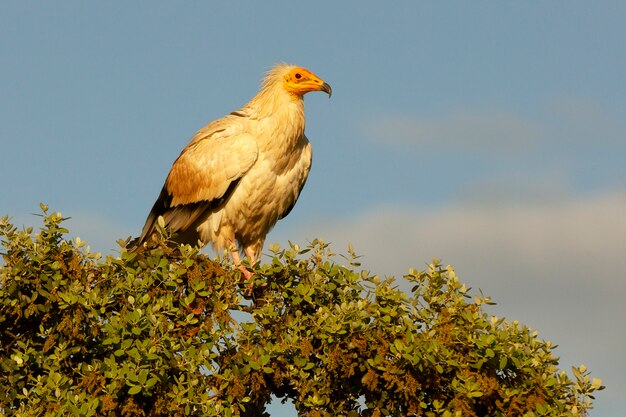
<point x="326" y="88"/>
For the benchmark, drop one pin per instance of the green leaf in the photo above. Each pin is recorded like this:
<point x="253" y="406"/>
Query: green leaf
<point x="135" y="389"/>
<point x="151" y="382"/>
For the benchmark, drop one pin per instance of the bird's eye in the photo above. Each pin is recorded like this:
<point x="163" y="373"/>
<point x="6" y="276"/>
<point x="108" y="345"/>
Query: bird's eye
<point x="298" y="76"/>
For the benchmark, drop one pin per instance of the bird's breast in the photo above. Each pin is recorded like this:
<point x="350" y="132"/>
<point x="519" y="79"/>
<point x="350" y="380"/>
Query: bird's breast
<point x="267" y="192"/>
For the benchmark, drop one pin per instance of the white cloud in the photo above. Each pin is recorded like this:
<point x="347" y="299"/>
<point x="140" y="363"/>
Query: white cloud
<point x="538" y="236"/>
<point x="558" y="265"/>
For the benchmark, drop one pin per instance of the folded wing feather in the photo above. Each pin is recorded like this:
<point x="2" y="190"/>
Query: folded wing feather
<point x="203" y="176"/>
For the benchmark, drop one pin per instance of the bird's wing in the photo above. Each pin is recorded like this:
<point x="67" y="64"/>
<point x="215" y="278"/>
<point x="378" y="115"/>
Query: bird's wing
<point x="203" y="176"/>
<point x="209" y="165"/>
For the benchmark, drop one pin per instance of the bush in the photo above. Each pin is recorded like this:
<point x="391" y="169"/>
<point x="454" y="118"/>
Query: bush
<point x="166" y="332"/>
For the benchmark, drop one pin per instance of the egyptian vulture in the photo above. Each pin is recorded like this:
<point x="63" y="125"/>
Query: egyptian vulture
<point x="242" y="173"/>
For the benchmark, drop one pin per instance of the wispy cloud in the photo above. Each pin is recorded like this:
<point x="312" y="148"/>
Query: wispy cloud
<point x="476" y="129"/>
<point x="563" y="121"/>
<point x="576" y="121"/>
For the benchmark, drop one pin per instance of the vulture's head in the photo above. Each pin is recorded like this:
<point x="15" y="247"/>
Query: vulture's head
<point x="299" y="81"/>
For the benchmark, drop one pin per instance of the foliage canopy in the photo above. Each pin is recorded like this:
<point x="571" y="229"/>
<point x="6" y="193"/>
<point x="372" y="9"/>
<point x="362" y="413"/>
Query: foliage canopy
<point x="167" y="332"/>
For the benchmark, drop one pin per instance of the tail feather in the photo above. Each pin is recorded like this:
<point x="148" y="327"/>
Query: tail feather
<point x="181" y="220"/>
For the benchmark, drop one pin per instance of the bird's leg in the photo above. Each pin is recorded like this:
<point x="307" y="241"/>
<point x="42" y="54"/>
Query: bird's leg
<point x="251" y="254"/>
<point x="237" y="261"/>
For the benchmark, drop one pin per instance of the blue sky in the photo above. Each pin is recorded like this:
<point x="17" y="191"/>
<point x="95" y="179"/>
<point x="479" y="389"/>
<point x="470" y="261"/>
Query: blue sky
<point x="491" y="135"/>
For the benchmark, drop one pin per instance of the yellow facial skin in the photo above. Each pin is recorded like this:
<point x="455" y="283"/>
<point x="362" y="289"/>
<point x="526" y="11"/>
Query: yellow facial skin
<point x="300" y="81"/>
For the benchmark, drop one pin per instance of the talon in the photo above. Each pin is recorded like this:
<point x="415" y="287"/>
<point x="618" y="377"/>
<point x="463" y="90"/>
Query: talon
<point x="246" y="274"/>
<point x="248" y="281"/>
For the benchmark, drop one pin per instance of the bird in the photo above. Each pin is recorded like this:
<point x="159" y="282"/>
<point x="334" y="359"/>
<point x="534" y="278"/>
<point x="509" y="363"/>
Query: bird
<point x="240" y="174"/>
